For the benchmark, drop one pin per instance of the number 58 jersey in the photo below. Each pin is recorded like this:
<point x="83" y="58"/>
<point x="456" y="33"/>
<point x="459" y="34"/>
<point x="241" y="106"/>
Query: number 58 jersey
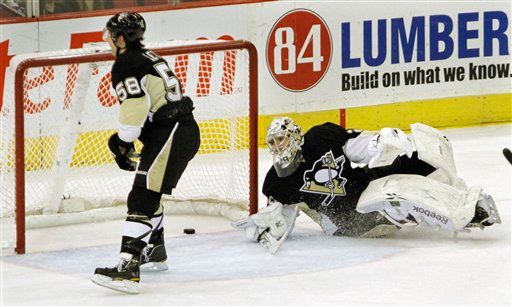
<point x="143" y="83"/>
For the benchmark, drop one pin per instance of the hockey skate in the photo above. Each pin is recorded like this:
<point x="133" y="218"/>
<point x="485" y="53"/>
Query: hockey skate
<point x="153" y="258"/>
<point x="486" y="213"/>
<point x="124" y="278"/>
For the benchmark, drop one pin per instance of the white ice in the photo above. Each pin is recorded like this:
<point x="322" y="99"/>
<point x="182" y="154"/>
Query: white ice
<point x="218" y="266"/>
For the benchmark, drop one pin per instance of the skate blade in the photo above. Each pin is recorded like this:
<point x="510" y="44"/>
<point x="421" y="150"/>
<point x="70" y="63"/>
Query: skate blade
<point x="154" y="267"/>
<point x="125" y="286"/>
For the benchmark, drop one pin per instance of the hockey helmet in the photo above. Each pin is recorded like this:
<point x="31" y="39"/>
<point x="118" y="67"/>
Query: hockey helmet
<point x="129" y="24"/>
<point x="284" y="139"/>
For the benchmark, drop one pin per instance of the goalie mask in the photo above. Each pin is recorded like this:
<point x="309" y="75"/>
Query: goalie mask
<point x="284" y="140"/>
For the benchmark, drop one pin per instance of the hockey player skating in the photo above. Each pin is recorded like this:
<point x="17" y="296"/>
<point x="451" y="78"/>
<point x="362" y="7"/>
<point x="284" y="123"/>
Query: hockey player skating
<point x="401" y="181"/>
<point x="153" y="111"/>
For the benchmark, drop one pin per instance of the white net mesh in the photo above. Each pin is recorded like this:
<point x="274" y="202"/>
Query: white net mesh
<point x="71" y="110"/>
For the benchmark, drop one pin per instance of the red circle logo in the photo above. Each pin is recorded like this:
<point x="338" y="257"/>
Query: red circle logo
<point x="299" y="50"/>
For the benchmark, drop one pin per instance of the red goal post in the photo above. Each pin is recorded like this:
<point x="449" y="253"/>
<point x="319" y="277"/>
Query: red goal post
<point x="206" y="52"/>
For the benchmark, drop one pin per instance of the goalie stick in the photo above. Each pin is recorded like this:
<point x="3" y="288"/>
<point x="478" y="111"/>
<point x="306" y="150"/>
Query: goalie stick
<point x="508" y="155"/>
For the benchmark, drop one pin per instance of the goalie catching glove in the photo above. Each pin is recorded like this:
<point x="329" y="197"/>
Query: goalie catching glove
<point x="123" y="153"/>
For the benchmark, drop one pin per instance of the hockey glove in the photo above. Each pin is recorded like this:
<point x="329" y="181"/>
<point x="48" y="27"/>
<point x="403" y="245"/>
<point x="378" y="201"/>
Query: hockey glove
<point x="270" y="226"/>
<point x="386" y="146"/>
<point x="122" y="152"/>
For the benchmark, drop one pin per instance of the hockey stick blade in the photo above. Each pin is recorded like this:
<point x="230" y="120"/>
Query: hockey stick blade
<point x="508" y="154"/>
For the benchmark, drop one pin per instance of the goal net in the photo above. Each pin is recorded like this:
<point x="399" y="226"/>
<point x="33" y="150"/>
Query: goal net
<point x="59" y="110"/>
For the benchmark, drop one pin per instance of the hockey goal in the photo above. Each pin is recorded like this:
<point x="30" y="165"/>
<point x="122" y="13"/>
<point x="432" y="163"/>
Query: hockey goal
<point x="59" y="110"/>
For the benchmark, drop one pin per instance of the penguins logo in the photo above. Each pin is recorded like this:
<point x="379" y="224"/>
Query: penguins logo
<point x="325" y="178"/>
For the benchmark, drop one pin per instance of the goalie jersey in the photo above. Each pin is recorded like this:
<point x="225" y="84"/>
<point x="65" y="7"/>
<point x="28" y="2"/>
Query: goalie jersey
<point x="326" y="183"/>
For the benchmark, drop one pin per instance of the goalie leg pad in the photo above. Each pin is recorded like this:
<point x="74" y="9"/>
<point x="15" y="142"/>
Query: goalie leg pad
<point x="417" y="198"/>
<point x="435" y="149"/>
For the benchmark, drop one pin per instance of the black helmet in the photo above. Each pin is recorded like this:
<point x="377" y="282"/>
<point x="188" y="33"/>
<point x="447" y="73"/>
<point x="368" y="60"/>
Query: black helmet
<point x="129" y="24"/>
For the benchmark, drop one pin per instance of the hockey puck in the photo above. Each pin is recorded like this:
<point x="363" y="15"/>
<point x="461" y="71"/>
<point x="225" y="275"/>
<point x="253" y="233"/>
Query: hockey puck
<point x="508" y="155"/>
<point x="189" y="231"/>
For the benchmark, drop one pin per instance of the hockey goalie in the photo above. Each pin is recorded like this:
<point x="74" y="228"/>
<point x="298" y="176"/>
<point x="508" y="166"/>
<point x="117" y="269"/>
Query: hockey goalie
<point x="363" y="183"/>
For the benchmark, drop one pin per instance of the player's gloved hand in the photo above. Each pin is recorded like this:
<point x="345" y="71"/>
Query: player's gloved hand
<point x="122" y="152"/>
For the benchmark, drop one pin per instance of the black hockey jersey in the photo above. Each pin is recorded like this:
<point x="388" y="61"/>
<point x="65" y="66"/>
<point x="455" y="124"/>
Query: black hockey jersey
<point x="325" y="181"/>
<point x="330" y="186"/>
<point x="143" y="83"/>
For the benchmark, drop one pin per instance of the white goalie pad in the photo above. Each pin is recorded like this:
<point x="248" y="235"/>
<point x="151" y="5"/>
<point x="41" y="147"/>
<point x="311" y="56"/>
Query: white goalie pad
<point x="437" y="204"/>
<point x="432" y="147"/>
<point x="435" y="149"/>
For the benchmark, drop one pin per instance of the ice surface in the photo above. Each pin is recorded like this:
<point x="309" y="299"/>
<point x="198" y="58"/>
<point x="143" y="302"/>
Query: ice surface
<point x="218" y="266"/>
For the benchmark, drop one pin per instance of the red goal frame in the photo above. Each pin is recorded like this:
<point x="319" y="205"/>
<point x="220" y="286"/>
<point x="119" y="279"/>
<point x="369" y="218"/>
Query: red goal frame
<point x="107" y="56"/>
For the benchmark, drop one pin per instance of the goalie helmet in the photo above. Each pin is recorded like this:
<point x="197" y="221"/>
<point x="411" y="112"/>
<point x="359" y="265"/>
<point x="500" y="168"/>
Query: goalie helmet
<point x="129" y="24"/>
<point x="284" y="139"/>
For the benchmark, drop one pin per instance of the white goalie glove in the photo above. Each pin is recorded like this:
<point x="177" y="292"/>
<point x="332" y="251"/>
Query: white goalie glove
<point x="387" y="145"/>
<point x="270" y="226"/>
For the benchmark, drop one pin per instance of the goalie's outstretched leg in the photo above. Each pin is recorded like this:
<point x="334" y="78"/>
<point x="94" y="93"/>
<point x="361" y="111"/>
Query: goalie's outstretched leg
<point x="411" y="199"/>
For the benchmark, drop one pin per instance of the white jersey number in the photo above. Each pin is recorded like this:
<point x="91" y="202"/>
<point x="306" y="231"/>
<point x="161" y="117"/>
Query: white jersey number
<point x="130" y="86"/>
<point x="172" y="84"/>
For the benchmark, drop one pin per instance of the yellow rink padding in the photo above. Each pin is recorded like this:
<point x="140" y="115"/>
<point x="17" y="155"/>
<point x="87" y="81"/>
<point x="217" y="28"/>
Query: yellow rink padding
<point x="445" y="112"/>
<point x="216" y="137"/>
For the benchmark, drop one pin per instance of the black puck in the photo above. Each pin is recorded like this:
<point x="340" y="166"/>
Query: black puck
<point x="189" y="231"/>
